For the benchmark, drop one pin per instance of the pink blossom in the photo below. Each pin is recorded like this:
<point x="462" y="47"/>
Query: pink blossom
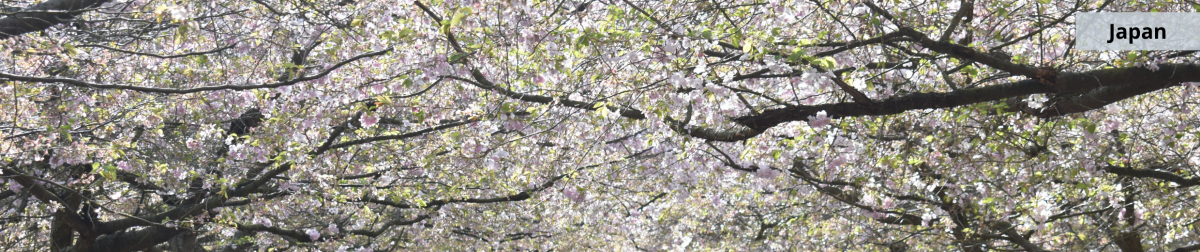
<point x="15" y="187"/>
<point x="369" y="121"/>
<point x="819" y="120"/>
<point x="766" y="172"/>
<point x="573" y="194"/>
<point x="193" y="143"/>
<point x="313" y="234"/>
<point x="839" y="161"/>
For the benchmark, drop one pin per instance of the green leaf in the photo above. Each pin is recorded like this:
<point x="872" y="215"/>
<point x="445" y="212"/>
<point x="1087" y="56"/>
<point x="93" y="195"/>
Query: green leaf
<point x="201" y="59"/>
<point x="457" y="58"/>
<point x="971" y="71"/>
<point x="109" y="172"/>
<point x="826" y="62"/>
<point x="458" y="17"/>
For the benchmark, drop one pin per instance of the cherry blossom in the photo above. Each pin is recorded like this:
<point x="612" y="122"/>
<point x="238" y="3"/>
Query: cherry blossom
<point x="268" y="125"/>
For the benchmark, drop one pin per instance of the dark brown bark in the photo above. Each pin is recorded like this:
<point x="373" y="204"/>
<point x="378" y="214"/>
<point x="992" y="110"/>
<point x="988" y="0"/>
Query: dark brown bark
<point x="895" y="105"/>
<point x="1126" y="236"/>
<point x="1129" y="242"/>
<point x="140" y="239"/>
<point x="1147" y="173"/>
<point x="185" y="242"/>
<point x="43" y="15"/>
<point x="1188" y="248"/>
<point x="61" y="234"/>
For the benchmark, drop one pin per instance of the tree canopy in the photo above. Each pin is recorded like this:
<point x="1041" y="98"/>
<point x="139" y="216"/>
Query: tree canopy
<point x="809" y="125"/>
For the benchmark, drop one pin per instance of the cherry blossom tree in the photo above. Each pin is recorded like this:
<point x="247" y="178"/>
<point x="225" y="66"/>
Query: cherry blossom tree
<point x="135" y="125"/>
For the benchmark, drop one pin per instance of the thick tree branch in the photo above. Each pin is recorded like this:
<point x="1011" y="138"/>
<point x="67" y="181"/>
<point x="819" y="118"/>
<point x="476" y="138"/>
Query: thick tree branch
<point x="894" y="105"/>
<point x="216" y="201"/>
<point x="1166" y="75"/>
<point x="1190" y="248"/>
<point x="1011" y="234"/>
<point x="43" y="15"/>
<point x="731" y="134"/>
<point x="179" y="212"/>
<point x="1147" y="173"/>
<point x="1103" y="87"/>
<point x="69" y="212"/>
<point x="135" y="240"/>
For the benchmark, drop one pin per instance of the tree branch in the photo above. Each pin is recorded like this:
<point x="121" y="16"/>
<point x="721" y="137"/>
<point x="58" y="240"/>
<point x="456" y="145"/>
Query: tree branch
<point x="657" y="22"/>
<point x="965" y="8"/>
<point x="1011" y="234"/>
<point x="87" y="84"/>
<point x="43" y="15"/>
<point x="134" y="240"/>
<point x="1147" y="173"/>
<point x="482" y="82"/>
<point x="162" y="56"/>
<point x="967" y="53"/>
<point x="895" y="105"/>
<point x="1167" y="75"/>
<point x="400" y="136"/>
<point x="523" y="195"/>
<point x="1189" y="248"/>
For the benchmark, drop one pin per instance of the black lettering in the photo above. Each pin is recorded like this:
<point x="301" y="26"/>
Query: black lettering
<point x="1121" y="33"/>
<point x="1134" y="33"/>
<point x="1110" y="33"/>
